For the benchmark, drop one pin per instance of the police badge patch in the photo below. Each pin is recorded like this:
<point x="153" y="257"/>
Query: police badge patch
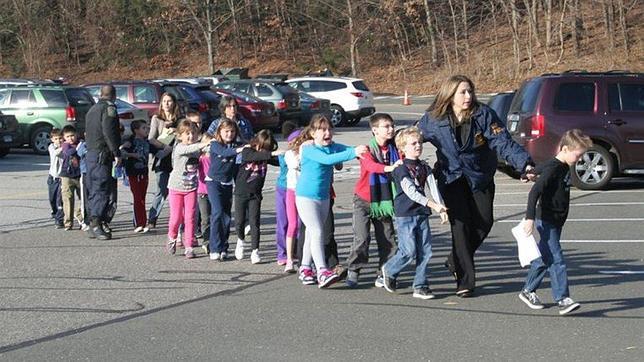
<point x="111" y="111"/>
<point x="496" y="130"/>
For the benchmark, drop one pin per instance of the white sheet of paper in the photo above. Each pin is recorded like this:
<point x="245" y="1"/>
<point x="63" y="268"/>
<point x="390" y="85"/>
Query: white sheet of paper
<point x="527" y="245"/>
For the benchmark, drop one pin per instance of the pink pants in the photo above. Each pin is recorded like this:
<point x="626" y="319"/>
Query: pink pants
<point x="291" y="214"/>
<point x="183" y="206"/>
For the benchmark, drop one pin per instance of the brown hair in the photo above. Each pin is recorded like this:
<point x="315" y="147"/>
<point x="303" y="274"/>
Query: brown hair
<point x="317" y="121"/>
<point x="187" y="126"/>
<point x="403" y="134"/>
<point x="55" y="132"/>
<point x="174" y="111"/>
<point x="264" y="140"/>
<point x="574" y="139"/>
<point x="374" y="120"/>
<point x="225" y="123"/>
<point x="442" y="105"/>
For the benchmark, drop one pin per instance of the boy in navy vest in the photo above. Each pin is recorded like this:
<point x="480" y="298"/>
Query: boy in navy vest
<point x="70" y="177"/>
<point x="412" y="210"/>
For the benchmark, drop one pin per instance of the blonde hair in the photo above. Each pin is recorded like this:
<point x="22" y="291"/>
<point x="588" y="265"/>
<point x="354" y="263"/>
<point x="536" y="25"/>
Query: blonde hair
<point x="186" y="126"/>
<point x="404" y="134"/>
<point x="574" y="139"/>
<point x="442" y="104"/>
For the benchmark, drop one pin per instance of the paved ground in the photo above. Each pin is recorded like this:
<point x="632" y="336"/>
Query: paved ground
<point x="64" y="297"/>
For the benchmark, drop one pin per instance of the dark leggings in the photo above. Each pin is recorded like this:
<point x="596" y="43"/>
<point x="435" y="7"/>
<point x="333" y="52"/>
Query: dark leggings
<point x="471" y="218"/>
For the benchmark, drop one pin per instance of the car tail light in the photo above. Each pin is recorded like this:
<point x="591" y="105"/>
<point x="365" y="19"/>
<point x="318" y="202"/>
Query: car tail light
<point x="315" y="105"/>
<point x="538" y="125"/>
<point x="358" y="94"/>
<point x="71" y="114"/>
<point x="126" y="115"/>
<point x="282" y="104"/>
<point x="203" y="107"/>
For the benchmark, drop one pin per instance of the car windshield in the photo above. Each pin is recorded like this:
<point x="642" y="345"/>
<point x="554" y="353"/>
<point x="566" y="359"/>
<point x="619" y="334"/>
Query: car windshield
<point x="244" y="96"/>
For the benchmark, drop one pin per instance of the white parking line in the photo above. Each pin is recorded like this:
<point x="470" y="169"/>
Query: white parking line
<point x="407" y="113"/>
<point x="577" y="192"/>
<point x="603" y="241"/>
<point x="580" y="204"/>
<point x="580" y="220"/>
<point x="621" y="272"/>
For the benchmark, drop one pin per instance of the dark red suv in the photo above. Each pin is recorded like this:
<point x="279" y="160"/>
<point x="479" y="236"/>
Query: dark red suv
<point x="609" y="107"/>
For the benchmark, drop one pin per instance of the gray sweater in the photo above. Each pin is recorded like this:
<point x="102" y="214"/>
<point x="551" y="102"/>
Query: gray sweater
<point x="182" y="179"/>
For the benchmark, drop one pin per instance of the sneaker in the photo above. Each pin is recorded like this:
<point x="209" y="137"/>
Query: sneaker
<point x="567" y="305"/>
<point x="151" y="224"/>
<point x="281" y="262"/>
<point x="327" y="277"/>
<point x="352" y="279"/>
<point x="84" y="227"/>
<point x="254" y="257"/>
<point x="247" y="230"/>
<point x="289" y="268"/>
<point x="171" y="247"/>
<point x="464" y="293"/>
<point x="138" y="229"/>
<point x="223" y="255"/>
<point x="205" y="248"/>
<point x="379" y="283"/>
<point x="423" y="293"/>
<point x="388" y="282"/>
<point x="59" y="226"/>
<point x="239" y="249"/>
<point x="306" y="276"/>
<point x="531" y="299"/>
<point x="215" y="256"/>
<point x="189" y="253"/>
<point x="106" y="227"/>
<point x="68" y="228"/>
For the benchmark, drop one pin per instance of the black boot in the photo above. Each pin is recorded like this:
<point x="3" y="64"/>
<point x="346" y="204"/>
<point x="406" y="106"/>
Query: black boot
<point x="96" y="231"/>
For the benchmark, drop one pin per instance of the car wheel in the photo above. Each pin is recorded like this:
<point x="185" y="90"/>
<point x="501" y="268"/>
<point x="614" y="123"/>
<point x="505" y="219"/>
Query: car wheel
<point x="40" y="139"/>
<point x="594" y="169"/>
<point x="4" y="151"/>
<point x="337" y="116"/>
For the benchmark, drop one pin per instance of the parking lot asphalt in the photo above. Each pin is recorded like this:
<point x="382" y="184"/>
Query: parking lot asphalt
<point x="65" y="297"/>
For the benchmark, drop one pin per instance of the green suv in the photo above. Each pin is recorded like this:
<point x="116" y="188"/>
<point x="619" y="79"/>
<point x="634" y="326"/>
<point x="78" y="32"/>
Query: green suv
<point x="39" y="108"/>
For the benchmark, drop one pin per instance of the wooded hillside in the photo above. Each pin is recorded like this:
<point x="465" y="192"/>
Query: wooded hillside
<point x="392" y="44"/>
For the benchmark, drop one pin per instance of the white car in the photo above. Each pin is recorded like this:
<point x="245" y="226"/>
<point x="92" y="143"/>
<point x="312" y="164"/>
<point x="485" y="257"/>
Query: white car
<point x="128" y="113"/>
<point x="201" y="80"/>
<point x="350" y="98"/>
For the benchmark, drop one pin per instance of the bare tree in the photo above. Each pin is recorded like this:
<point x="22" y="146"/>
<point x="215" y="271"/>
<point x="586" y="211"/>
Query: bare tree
<point x="431" y="32"/>
<point x="203" y="13"/>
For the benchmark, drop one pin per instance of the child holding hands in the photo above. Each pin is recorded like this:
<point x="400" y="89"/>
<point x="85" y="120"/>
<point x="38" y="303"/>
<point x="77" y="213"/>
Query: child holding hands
<point x="412" y="210"/>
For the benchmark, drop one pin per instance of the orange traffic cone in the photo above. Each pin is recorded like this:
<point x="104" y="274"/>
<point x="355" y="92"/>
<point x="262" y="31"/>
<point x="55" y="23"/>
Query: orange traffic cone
<point x="406" y="99"/>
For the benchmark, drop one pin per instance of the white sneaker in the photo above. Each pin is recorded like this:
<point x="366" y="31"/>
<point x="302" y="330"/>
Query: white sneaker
<point x="138" y="229"/>
<point x="247" y="230"/>
<point x="254" y="257"/>
<point x="84" y="227"/>
<point x="239" y="249"/>
<point x="223" y="256"/>
<point x="215" y="256"/>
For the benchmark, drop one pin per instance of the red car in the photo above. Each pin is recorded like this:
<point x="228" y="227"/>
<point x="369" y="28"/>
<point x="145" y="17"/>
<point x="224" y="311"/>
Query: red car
<point x="261" y="114"/>
<point x="142" y="94"/>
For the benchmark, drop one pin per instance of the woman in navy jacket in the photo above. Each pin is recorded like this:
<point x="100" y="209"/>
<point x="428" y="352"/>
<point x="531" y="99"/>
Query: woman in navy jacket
<point x="468" y="136"/>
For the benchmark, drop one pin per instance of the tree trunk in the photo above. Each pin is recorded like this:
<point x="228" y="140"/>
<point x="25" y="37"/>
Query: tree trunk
<point x="432" y="33"/>
<point x="455" y="27"/>
<point x="609" y="19"/>
<point x="576" y="26"/>
<point x="548" y="19"/>
<point x="352" y="41"/>
<point x="465" y="29"/>
<point x="561" y="31"/>
<point x="622" y="24"/>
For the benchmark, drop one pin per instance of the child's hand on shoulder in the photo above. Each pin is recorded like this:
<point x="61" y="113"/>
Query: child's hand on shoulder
<point x="360" y="149"/>
<point x="239" y="149"/>
<point x="393" y="166"/>
<point x="278" y="152"/>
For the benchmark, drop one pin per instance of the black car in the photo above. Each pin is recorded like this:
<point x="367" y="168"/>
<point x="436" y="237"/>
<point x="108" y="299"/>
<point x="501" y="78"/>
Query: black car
<point x="285" y="98"/>
<point x="194" y="98"/>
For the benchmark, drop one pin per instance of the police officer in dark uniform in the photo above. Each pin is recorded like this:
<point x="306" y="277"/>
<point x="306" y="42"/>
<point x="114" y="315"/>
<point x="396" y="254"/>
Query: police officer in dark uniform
<point x="103" y="141"/>
<point x="468" y="136"/>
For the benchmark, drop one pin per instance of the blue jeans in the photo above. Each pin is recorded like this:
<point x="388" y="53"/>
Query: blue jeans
<point x="55" y="198"/>
<point x="551" y="260"/>
<point x="414" y="241"/>
<point x="160" y="196"/>
<point x="221" y="202"/>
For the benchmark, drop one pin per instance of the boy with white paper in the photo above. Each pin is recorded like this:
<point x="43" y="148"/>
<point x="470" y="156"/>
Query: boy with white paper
<point x="552" y="192"/>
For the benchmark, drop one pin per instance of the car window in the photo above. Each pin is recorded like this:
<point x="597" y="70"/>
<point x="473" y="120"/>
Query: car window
<point x="22" y="98"/>
<point x="78" y="96"/>
<point x="95" y="91"/>
<point x="4" y="95"/>
<point x="263" y="90"/>
<point x="54" y="98"/>
<point x="626" y="97"/>
<point x="174" y="91"/>
<point x="575" y="97"/>
<point x="122" y="105"/>
<point x="326" y="86"/>
<point x="295" y="85"/>
<point x="525" y="101"/>
<point x="209" y="95"/>
<point x="359" y="85"/>
<point x="145" y="94"/>
<point x="121" y="92"/>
